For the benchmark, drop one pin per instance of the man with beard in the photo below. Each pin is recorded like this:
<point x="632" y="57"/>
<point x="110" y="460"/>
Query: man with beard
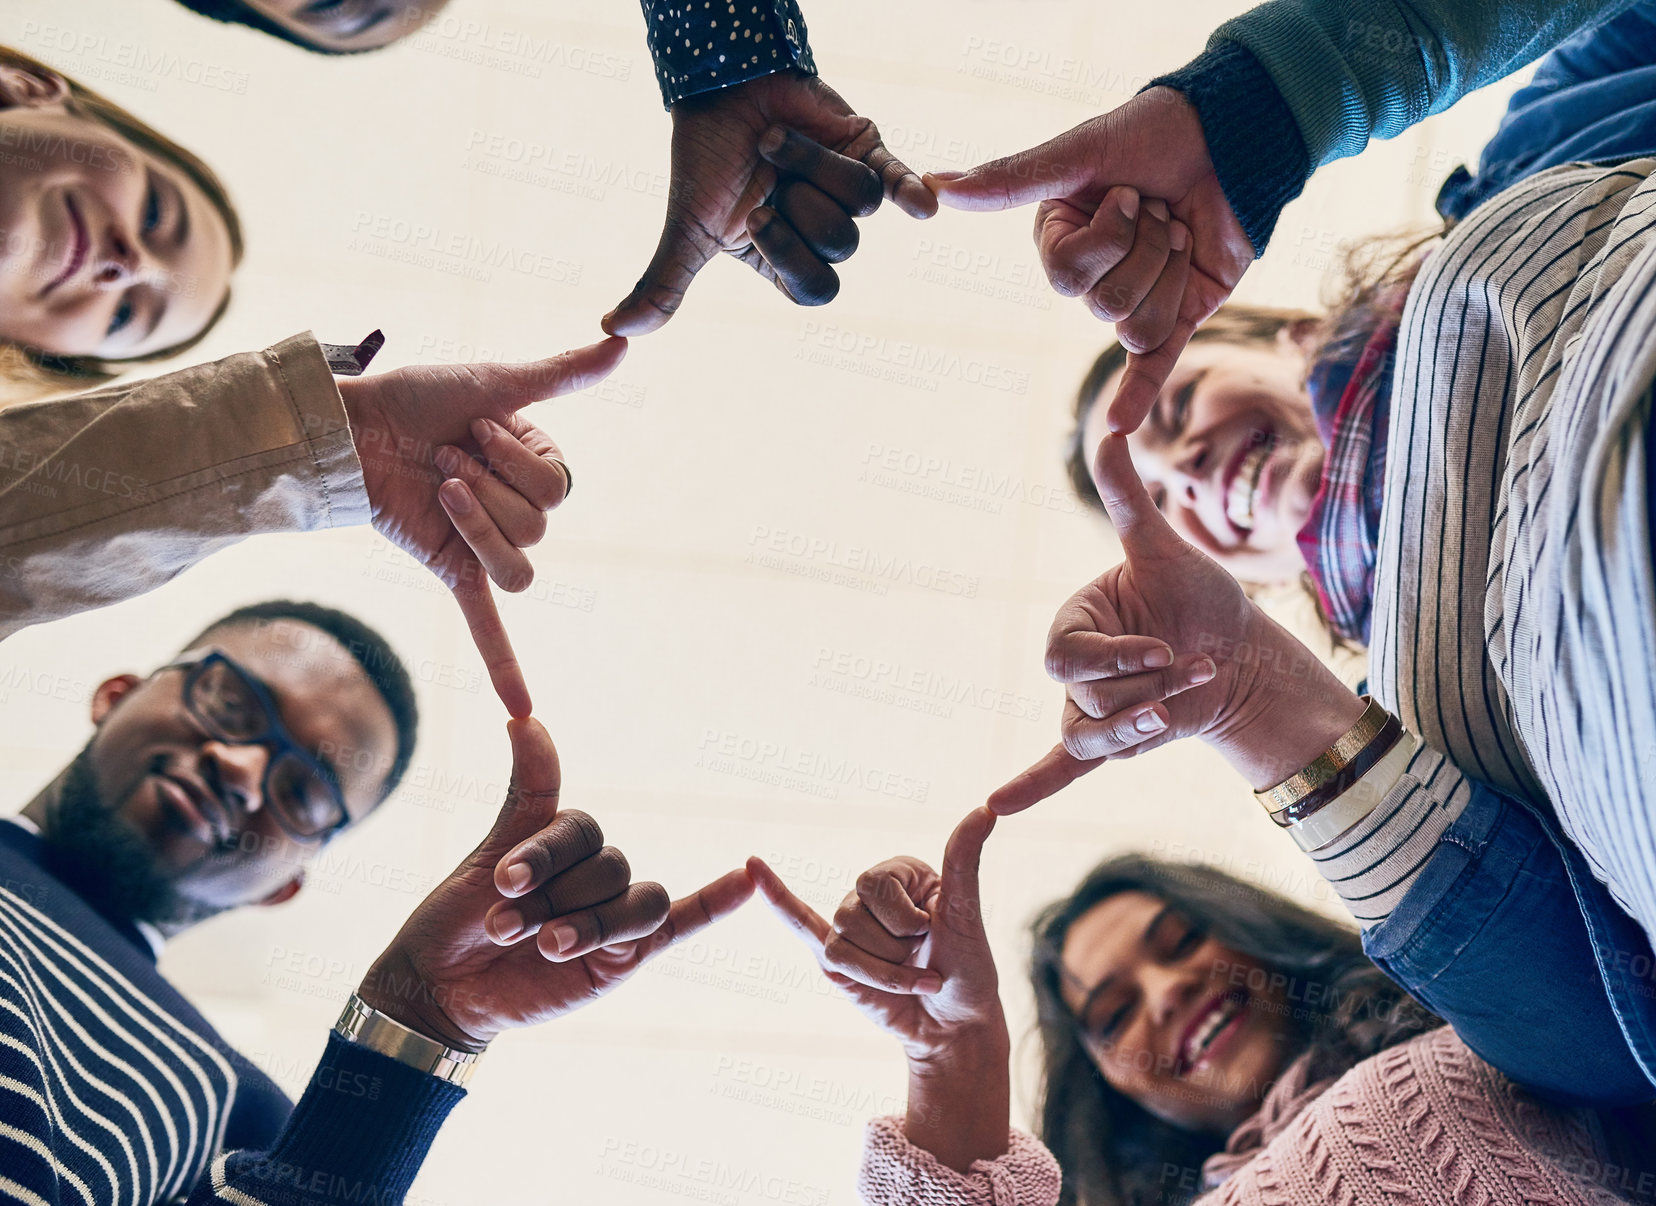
<point x="208" y="786"/>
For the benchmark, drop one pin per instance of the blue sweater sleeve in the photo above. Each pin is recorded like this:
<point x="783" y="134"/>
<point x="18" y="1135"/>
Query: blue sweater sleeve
<point x="704" y="45"/>
<point x="359" y="1134"/>
<point x="1346" y="71"/>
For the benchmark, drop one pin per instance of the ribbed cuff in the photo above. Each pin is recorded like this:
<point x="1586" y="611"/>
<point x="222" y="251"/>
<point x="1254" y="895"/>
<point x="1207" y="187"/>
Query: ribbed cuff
<point x="699" y="50"/>
<point x="1252" y="137"/>
<point x="359" y="1134"/>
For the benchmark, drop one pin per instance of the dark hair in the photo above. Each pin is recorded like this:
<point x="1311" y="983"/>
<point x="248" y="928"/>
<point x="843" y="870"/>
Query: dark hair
<point x="27" y="373"/>
<point x="371" y="651"/>
<point x="1112" y="1151"/>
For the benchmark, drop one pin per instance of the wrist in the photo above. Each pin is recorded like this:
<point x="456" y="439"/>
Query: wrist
<point x="393" y="987"/>
<point x="1293" y="708"/>
<point x="960" y="1097"/>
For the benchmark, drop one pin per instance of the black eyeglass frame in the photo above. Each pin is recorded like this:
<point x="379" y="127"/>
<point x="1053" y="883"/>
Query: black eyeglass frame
<point x="274" y="737"/>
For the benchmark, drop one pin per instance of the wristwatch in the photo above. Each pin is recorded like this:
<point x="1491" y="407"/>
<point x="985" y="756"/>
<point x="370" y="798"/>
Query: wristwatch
<point x="362" y="1023"/>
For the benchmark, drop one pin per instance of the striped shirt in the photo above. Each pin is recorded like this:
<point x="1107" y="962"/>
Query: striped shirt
<point x="115" y="1090"/>
<point x="1514" y="615"/>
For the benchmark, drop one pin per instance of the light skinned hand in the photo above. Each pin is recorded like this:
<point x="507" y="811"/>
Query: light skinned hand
<point x="908" y="946"/>
<point x="461" y="481"/>
<point x="1166" y="645"/>
<point x="541" y="919"/>
<point x="1156" y="280"/>
<point x="773" y="171"/>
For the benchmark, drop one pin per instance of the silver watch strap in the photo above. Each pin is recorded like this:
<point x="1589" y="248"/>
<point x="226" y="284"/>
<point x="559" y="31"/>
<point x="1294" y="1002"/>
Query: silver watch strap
<point x="362" y="1023"/>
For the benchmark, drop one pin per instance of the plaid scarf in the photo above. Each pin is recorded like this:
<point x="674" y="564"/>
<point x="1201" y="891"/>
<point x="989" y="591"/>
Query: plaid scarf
<point x="1352" y="406"/>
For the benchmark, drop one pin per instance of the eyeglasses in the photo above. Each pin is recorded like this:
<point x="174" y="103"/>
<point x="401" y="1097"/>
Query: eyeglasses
<point x="232" y="706"/>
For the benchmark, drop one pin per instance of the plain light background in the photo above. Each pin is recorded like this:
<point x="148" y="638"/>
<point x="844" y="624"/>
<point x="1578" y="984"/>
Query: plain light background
<point x="825" y="542"/>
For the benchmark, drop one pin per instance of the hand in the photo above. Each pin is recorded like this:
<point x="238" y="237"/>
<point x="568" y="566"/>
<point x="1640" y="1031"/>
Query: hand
<point x="415" y="427"/>
<point x="772" y="172"/>
<point x="1166" y="645"/>
<point x="908" y="947"/>
<point x="1158" y="281"/>
<point x="468" y="964"/>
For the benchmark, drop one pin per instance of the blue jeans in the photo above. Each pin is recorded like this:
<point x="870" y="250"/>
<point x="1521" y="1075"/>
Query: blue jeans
<point x="1593" y="100"/>
<point x="1509" y="938"/>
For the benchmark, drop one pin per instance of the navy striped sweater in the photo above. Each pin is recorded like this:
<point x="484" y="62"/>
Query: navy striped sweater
<point x="114" y="1089"/>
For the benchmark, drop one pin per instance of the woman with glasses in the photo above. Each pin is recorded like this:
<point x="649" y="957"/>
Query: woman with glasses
<point x="1199" y="1036"/>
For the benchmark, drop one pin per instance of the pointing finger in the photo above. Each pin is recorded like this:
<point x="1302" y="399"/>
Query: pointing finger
<point x="1055" y="771"/>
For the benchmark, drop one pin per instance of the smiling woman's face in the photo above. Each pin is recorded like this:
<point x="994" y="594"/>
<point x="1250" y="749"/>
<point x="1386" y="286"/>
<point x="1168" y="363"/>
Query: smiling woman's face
<point x="106" y="250"/>
<point x="1190" y="1030"/>
<point x="1230" y="453"/>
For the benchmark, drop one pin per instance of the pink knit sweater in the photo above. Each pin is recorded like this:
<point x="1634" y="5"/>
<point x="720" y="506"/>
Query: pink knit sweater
<point x="1425" y="1123"/>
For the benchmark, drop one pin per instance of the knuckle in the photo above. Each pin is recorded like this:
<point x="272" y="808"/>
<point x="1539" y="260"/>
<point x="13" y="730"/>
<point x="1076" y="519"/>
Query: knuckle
<point x="583" y="834"/>
<point x="613" y="866"/>
<point x="654" y="903"/>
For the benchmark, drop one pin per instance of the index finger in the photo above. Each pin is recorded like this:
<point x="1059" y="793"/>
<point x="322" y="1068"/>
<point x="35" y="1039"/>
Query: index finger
<point x="493" y="643"/>
<point x="1139" y="523"/>
<point x="514" y="386"/>
<point x="1055" y="771"/>
<point x="799" y="916"/>
<point x="1143" y="378"/>
<point x="694" y="913"/>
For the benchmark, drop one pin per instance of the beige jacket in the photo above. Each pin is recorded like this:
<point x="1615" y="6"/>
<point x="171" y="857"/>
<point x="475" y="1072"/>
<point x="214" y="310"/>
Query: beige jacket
<point x="108" y="494"/>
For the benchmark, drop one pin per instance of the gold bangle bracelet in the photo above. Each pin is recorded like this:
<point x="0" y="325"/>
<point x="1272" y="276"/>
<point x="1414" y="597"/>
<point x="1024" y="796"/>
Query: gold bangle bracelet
<point x="1330" y="763"/>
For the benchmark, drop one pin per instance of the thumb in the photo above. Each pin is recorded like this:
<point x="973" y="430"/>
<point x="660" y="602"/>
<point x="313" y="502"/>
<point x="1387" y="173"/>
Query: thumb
<point x="532" y="798"/>
<point x="660" y="291"/>
<point x="1142" y="529"/>
<point x="1049" y="170"/>
<point x="511" y="387"/>
<point x="961" y="900"/>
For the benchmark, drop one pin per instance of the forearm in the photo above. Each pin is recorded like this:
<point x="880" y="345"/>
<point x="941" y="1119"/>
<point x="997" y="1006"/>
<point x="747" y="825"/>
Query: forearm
<point x="704" y="48"/>
<point x="1294" y="84"/>
<point x="359" y="1134"/>
<point x="960" y="1101"/>
<point x="109" y="494"/>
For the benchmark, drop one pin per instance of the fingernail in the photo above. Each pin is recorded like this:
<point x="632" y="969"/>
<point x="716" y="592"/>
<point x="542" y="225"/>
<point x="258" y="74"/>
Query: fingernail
<point x="564" y="937"/>
<point x="518" y="876"/>
<point x="929" y="984"/>
<point x="1149" y="722"/>
<point x="1128" y="201"/>
<point x="1201" y="672"/>
<point x="944" y="177"/>
<point x="454" y="493"/>
<point x="508" y="924"/>
<point x="1180" y="236"/>
<point x="480" y="430"/>
<point x="1157" y="658"/>
<point x="771" y="141"/>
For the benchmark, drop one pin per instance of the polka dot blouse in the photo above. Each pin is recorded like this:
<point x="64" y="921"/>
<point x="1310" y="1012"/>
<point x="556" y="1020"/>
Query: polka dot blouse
<point x="703" y="45"/>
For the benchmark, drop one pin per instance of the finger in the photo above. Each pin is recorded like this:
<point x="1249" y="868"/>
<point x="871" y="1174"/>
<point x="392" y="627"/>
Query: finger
<point x="636" y="913"/>
<point x="799" y="916"/>
<point x="569" y="838"/>
<point x="494" y="644"/>
<point x="1089" y="740"/>
<point x="1155" y="315"/>
<point x="799" y="270"/>
<point x="684" y="250"/>
<point x="1141" y="527"/>
<point x="694" y="913"/>
<point x="892" y="895"/>
<point x="960" y="893"/>
<point x="504" y="562"/>
<point x="818" y="219"/>
<point x="857" y="925"/>
<point x="1077" y="651"/>
<point x="901" y="183"/>
<point x="1100" y="698"/>
<point x="519" y="521"/>
<point x="841" y="955"/>
<point x="1078" y="248"/>
<point x="1143" y="378"/>
<point x="1055" y="771"/>
<point x="514" y="386"/>
<point x="532" y="798"/>
<point x="1125" y="288"/>
<point x="1021" y="179"/>
<point x="851" y="183"/>
<point x="525" y="458"/>
<point x="603" y="876"/>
